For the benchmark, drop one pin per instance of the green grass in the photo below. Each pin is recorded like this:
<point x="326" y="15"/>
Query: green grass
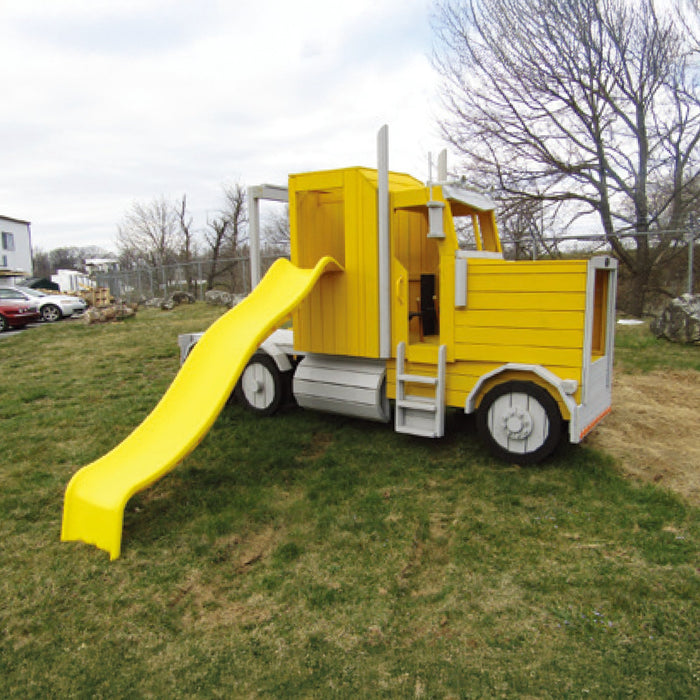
<point x="637" y="350"/>
<point x="316" y="556"/>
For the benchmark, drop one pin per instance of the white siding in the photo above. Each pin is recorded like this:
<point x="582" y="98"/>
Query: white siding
<point x="21" y="257"/>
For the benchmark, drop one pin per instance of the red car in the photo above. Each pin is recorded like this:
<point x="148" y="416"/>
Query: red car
<point x="16" y="314"/>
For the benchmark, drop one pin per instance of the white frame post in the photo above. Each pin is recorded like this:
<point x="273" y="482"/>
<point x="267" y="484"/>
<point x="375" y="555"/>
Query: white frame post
<point x="384" y="243"/>
<point x="273" y="193"/>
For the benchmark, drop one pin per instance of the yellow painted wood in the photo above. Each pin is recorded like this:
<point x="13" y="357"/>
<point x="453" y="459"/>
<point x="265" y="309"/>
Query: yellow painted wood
<point x="335" y="213"/>
<point x="526" y="267"/>
<point x="446" y="303"/>
<point x="526" y="301"/>
<point x="486" y="281"/>
<point x="531" y="337"/>
<point x="502" y="354"/>
<point x="505" y="318"/>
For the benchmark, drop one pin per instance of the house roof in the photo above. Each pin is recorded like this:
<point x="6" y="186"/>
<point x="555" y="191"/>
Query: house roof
<point x="17" y="221"/>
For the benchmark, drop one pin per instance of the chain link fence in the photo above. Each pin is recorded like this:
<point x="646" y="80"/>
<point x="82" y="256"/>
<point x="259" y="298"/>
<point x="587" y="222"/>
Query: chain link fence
<point x="143" y="283"/>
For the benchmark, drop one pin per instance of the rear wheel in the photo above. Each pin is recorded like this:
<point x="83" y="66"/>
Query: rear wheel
<point x="261" y="386"/>
<point x="519" y="422"/>
<point x="4" y="325"/>
<point x="50" y="313"/>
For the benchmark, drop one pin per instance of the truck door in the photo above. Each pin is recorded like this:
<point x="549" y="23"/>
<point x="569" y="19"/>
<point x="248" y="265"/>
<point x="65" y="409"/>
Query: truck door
<point x="415" y="279"/>
<point x="596" y="389"/>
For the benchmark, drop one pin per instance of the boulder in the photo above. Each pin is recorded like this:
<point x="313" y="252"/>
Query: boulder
<point x="115" y="312"/>
<point x="679" y="322"/>
<point x="175" y="299"/>
<point x="153" y="303"/>
<point x="182" y="298"/>
<point x="218" y="298"/>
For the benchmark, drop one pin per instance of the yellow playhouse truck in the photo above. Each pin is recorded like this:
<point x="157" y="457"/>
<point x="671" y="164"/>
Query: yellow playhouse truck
<point x="390" y="316"/>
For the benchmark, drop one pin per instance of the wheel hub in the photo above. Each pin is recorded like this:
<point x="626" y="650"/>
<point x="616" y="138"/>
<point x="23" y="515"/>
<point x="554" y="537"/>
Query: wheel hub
<point x="517" y="423"/>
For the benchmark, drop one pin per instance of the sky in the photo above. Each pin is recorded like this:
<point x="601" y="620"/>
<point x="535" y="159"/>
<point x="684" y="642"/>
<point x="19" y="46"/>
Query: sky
<point x="110" y="102"/>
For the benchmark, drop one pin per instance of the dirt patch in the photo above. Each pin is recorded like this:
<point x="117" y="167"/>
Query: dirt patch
<point x="318" y="447"/>
<point x="654" y="429"/>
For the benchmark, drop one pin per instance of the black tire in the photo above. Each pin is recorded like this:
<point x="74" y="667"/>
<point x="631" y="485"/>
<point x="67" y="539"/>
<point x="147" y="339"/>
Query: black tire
<point x="261" y="387"/>
<point x="4" y="325"/>
<point x="520" y="422"/>
<point x="51" y="313"/>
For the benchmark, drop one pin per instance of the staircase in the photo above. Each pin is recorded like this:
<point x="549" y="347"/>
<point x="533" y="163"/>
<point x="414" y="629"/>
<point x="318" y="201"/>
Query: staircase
<point x="420" y="415"/>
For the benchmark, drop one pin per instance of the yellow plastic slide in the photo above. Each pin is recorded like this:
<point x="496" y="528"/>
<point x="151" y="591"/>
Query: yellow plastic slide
<point x="93" y="509"/>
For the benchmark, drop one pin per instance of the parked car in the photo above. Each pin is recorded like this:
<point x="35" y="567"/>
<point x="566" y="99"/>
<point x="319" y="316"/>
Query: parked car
<point x="52" y="307"/>
<point x="16" y="314"/>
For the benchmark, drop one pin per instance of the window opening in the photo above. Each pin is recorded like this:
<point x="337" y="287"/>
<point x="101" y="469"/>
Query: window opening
<point x="8" y="241"/>
<point x="600" y="308"/>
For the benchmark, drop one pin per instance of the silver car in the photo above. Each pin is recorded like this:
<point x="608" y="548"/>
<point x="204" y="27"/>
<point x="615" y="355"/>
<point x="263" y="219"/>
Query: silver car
<point x="52" y="307"/>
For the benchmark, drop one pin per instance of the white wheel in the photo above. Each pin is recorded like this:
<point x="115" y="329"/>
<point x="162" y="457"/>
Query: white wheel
<point x="519" y="421"/>
<point x="260" y="388"/>
<point x="50" y="313"/>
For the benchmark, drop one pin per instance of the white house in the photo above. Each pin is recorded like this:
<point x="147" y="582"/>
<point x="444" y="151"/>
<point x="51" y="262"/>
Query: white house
<point x="15" y="249"/>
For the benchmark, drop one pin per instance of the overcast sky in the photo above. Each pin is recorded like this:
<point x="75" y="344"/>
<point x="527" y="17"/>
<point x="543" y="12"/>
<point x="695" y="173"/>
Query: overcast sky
<point x="115" y="101"/>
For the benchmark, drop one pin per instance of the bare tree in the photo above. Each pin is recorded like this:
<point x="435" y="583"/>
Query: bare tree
<point x="275" y="233"/>
<point x="226" y="233"/>
<point x="149" y="233"/>
<point x="187" y="239"/>
<point x="591" y="103"/>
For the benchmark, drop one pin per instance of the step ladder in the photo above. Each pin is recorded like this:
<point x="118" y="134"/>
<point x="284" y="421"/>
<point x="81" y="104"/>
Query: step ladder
<point x="420" y="415"/>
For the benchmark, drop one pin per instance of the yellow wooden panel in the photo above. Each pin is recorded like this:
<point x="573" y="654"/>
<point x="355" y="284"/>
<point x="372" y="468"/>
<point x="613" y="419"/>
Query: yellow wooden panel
<point x="334" y="213"/>
<point x="553" y="282"/>
<point x="526" y="267"/>
<point x="505" y="318"/>
<point x="501" y="354"/>
<point x="530" y="301"/>
<point x="532" y="337"/>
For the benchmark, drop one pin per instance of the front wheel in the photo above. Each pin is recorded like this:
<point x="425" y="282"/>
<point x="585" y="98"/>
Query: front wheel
<point x="261" y="386"/>
<point x="519" y="422"/>
<point x="50" y="313"/>
<point x="4" y="325"/>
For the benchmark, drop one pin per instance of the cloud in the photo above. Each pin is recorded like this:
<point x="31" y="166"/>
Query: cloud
<point x="111" y="104"/>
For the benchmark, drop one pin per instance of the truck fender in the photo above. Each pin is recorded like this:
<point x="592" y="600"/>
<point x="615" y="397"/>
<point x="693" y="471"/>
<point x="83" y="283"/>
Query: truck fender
<point x="563" y="388"/>
<point x="276" y="346"/>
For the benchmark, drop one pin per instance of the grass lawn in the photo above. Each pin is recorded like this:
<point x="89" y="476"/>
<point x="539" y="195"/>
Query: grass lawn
<point x="308" y="555"/>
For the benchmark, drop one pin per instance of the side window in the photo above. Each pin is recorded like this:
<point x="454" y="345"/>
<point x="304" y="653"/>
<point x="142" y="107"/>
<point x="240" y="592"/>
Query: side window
<point x="10" y="294"/>
<point x="8" y="241"/>
<point x="3" y="262"/>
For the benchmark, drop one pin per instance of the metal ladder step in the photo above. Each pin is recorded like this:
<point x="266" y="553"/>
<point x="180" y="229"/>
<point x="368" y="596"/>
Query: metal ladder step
<point x="419" y="432"/>
<point x="420" y="415"/>
<point x="417" y="403"/>
<point x="416" y="379"/>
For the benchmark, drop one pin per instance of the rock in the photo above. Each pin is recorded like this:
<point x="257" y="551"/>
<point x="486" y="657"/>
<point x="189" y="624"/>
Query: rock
<point x="175" y="299"/>
<point x="679" y="321"/>
<point x="218" y="298"/>
<point x="115" y="312"/>
<point x="182" y="298"/>
<point x="154" y="303"/>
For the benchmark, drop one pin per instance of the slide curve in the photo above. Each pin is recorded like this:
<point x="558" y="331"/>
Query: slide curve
<point x="93" y="509"/>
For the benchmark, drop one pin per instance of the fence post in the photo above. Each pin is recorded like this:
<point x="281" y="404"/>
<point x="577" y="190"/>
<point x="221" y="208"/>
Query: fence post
<point x="691" y="253"/>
